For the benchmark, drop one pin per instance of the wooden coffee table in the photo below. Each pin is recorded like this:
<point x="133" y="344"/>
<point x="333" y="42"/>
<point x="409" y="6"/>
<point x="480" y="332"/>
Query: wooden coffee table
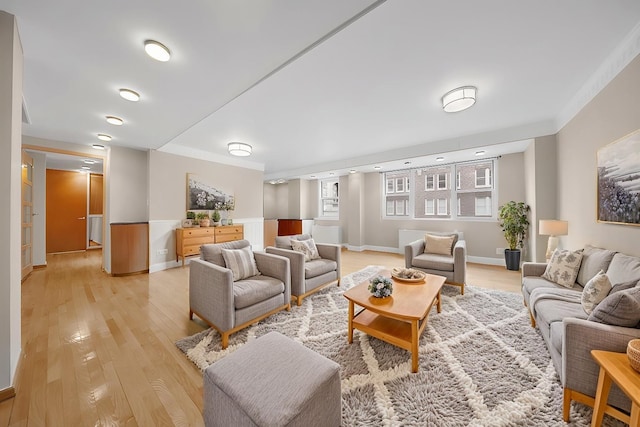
<point x="398" y="319"/>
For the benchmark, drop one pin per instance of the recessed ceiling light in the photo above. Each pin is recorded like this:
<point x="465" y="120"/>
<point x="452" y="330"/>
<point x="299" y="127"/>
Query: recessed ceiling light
<point x="157" y="50"/>
<point x="86" y="167"/>
<point x="273" y="182"/>
<point x="352" y="171"/>
<point x="281" y="181"/>
<point x="407" y="163"/>
<point x="89" y="162"/>
<point x="98" y="146"/>
<point x="312" y="176"/>
<point x="439" y="159"/>
<point x="331" y="174"/>
<point x="104" y="137"/>
<point x="376" y="167"/>
<point x="130" y="95"/>
<point x="115" y="120"/>
<point x="480" y="153"/>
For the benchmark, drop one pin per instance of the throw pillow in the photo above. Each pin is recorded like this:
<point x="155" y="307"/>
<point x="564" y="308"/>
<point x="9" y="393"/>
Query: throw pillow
<point x="595" y="291"/>
<point x="241" y="262"/>
<point x="563" y="267"/>
<point x="307" y="247"/>
<point x="442" y="245"/>
<point x="619" y="309"/>
<point x="623" y="286"/>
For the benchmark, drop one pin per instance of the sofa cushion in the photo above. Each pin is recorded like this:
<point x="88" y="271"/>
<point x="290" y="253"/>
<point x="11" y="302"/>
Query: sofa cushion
<point x="241" y="262"/>
<point x="434" y="262"/>
<point x="255" y="289"/>
<point x="625" y="285"/>
<point x="595" y="291"/>
<point x="593" y="260"/>
<point x="284" y="242"/>
<point x="619" y="309"/>
<point x="623" y="268"/>
<point x="441" y="245"/>
<point x="317" y="267"/>
<point x="563" y="267"/>
<point x="553" y="310"/>
<point x="307" y="247"/>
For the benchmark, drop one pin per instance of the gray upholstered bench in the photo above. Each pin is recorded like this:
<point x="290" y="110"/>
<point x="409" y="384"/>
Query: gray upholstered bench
<point x="272" y="381"/>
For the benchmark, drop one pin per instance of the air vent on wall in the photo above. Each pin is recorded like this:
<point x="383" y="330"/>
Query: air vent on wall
<point x="25" y="113"/>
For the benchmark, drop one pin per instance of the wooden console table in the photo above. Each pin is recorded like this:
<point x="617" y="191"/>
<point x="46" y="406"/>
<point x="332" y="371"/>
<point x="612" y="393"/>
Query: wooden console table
<point x="615" y="367"/>
<point x="189" y="240"/>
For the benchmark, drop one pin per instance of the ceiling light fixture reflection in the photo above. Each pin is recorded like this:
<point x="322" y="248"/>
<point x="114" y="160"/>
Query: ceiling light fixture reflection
<point x="104" y="137"/>
<point x="157" y="50"/>
<point x="239" y="149"/>
<point x="98" y="146"/>
<point x="117" y="121"/>
<point x="130" y="95"/>
<point x="459" y="99"/>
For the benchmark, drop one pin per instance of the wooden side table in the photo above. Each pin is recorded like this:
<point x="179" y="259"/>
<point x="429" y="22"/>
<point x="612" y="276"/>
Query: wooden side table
<point x="615" y="367"/>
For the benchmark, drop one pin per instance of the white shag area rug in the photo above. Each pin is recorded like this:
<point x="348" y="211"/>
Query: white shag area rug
<point x="481" y="363"/>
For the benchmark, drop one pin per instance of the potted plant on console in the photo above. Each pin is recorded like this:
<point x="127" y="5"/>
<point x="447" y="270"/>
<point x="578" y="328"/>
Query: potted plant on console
<point x="215" y="217"/>
<point x="513" y="219"/>
<point x="203" y="218"/>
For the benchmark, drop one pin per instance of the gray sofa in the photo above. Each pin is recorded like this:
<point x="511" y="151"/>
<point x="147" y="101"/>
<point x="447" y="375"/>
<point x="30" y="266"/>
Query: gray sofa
<point x="570" y="333"/>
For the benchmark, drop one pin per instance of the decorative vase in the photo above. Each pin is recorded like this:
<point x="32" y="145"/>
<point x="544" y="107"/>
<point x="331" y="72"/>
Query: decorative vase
<point x="216" y="223"/>
<point x="204" y="222"/>
<point x="381" y="287"/>
<point x="512" y="259"/>
<point x="224" y="221"/>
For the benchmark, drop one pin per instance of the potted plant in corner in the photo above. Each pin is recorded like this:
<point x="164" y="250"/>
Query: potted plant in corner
<point x="215" y="217"/>
<point x="513" y="219"/>
<point x="203" y="218"/>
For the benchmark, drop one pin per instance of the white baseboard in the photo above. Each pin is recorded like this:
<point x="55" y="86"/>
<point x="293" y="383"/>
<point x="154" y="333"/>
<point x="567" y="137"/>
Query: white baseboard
<point x="167" y="265"/>
<point x="486" y="260"/>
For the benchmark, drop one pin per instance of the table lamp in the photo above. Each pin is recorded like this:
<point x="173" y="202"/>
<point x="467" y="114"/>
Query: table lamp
<point x="552" y="228"/>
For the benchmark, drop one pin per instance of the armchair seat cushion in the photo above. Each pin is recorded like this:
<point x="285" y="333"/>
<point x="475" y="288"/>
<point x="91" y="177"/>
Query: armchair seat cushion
<point x="318" y="267"/>
<point x="434" y="262"/>
<point x="255" y="289"/>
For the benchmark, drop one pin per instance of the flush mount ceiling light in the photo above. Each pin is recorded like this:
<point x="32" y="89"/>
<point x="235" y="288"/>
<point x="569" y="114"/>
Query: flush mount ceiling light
<point x="439" y="159"/>
<point x="480" y="153"/>
<point x="459" y="99"/>
<point x="239" y="149"/>
<point x="104" y="137"/>
<point x="86" y="167"/>
<point x="376" y="167"/>
<point x="157" y="50"/>
<point x="98" y="146"/>
<point x="89" y="162"/>
<point x="130" y="95"/>
<point x="115" y="120"/>
<point x="352" y="171"/>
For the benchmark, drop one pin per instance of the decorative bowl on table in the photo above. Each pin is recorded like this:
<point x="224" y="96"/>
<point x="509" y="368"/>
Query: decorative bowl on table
<point x="408" y="274"/>
<point x="381" y="287"/>
<point x="633" y="353"/>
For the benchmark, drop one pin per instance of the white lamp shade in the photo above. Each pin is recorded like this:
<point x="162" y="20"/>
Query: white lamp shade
<point x="553" y="227"/>
<point x="239" y="149"/>
<point x="459" y="99"/>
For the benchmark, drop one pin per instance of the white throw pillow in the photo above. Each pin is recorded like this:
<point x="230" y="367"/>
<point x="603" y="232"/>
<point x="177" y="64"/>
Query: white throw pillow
<point x="307" y="247"/>
<point x="595" y="291"/>
<point x="241" y="262"/>
<point x="442" y="245"/>
<point x="563" y="267"/>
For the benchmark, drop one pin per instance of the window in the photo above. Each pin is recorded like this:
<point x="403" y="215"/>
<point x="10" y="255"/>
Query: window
<point x="329" y="201"/>
<point x="429" y="192"/>
<point x="442" y="181"/>
<point x="483" y="206"/>
<point x="390" y="186"/>
<point x="429" y="207"/>
<point x="483" y="177"/>
<point x="428" y="182"/>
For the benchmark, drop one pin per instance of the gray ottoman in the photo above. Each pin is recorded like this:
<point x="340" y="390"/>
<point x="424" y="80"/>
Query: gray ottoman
<point x="272" y="381"/>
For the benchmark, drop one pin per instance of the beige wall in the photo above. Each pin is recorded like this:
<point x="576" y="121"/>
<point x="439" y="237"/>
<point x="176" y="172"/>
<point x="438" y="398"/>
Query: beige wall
<point x="128" y="175"/>
<point x="11" y="68"/>
<point x="612" y="114"/>
<point x="168" y="185"/>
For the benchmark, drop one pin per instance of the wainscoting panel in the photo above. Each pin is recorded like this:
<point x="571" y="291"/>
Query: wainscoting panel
<point x="327" y="234"/>
<point x="253" y="231"/>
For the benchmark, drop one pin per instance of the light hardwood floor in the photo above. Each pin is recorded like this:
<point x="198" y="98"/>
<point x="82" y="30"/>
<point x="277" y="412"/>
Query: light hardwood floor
<point x="99" y="350"/>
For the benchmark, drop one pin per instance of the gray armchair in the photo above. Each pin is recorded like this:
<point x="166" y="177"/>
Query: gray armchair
<point x="452" y="266"/>
<point x="229" y="306"/>
<point x="310" y="276"/>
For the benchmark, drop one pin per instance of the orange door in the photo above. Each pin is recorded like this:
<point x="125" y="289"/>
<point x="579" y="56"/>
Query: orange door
<point x="66" y="211"/>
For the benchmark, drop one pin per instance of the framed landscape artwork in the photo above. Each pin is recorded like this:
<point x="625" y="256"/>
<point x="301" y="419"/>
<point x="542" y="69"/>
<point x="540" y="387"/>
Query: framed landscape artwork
<point x="619" y="181"/>
<point x="202" y="196"/>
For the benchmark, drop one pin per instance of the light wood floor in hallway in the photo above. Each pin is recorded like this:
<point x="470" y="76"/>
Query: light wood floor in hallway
<point x="99" y="350"/>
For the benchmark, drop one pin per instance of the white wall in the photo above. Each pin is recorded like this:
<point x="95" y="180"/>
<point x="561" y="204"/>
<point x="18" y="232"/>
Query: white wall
<point x="612" y="114"/>
<point x="11" y="69"/>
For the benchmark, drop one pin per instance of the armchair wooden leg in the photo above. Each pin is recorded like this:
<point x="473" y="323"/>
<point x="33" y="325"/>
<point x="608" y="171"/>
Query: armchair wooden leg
<point x="533" y="320"/>
<point x="288" y="307"/>
<point x="299" y="300"/>
<point x="190" y="315"/>
<point x="225" y="340"/>
<point x="338" y="284"/>
<point x="566" y="404"/>
<point x="462" y="289"/>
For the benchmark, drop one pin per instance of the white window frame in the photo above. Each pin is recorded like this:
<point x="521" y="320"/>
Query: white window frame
<point x="486" y="178"/>
<point x="440" y="203"/>
<point x="391" y="208"/>
<point x="400" y="185"/>
<point x="488" y="203"/>
<point x="322" y="198"/>
<point x="391" y="186"/>
<point x="446" y="180"/>
<point x="458" y="180"/>
<point x="426" y="182"/>
<point x="400" y="207"/>
<point x="428" y="211"/>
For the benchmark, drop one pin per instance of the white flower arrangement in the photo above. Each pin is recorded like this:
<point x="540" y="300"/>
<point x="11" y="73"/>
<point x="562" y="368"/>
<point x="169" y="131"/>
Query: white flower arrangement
<point x="380" y="286"/>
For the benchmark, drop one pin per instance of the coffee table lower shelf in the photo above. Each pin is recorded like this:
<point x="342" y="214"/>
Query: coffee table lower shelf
<point x="403" y="334"/>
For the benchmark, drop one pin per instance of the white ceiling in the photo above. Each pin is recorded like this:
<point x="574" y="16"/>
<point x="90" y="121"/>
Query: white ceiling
<point x="317" y="85"/>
